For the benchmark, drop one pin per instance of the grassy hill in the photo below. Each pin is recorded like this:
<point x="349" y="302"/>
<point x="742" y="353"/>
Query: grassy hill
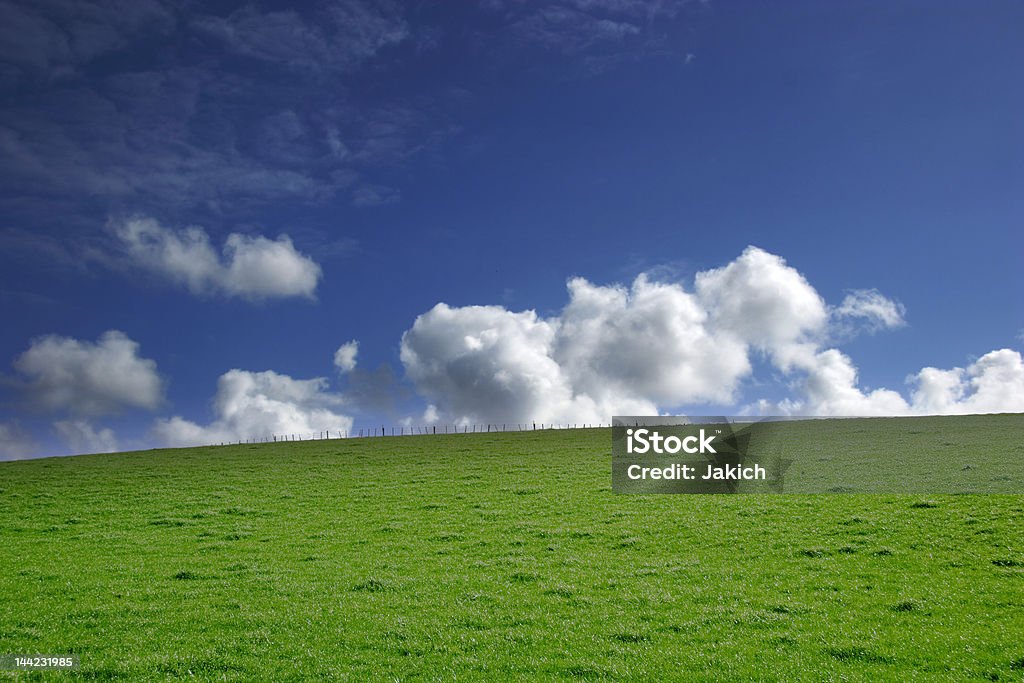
<point x="507" y="556"/>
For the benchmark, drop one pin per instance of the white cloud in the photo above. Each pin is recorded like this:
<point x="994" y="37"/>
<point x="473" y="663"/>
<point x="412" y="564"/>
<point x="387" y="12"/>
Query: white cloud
<point x="82" y="437"/>
<point x="650" y="343"/>
<point x="830" y="387"/>
<point x="484" y="362"/>
<point x="655" y="346"/>
<point x="766" y="303"/>
<point x="345" y="356"/>
<point x="15" y="442"/>
<point x="257" y="405"/>
<point x="251" y="268"/>
<point x="90" y="379"/>
<point x="992" y="384"/>
<point x="872" y="309"/>
<point x="612" y="350"/>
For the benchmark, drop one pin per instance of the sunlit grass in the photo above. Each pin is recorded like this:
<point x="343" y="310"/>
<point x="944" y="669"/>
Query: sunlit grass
<point x="491" y="557"/>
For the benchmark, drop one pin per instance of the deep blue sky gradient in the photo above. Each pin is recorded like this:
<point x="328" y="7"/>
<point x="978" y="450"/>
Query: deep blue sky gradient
<point x="872" y="145"/>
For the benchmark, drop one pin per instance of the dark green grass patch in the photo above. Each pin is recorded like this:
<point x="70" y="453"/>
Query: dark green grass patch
<point x="505" y="557"/>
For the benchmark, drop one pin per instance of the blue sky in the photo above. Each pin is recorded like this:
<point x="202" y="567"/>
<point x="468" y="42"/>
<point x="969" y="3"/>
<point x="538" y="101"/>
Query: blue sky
<point x="233" y="191"/>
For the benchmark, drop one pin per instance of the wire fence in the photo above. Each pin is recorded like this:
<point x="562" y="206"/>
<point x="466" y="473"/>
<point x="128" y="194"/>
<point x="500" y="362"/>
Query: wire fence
<point x="412" y="430"/>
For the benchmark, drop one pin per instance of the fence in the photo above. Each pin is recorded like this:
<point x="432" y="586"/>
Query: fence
<point x="413" y="430"/>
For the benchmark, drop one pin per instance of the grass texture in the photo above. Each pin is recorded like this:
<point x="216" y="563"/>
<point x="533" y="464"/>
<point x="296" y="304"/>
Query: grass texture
<point x="507" y="557"/>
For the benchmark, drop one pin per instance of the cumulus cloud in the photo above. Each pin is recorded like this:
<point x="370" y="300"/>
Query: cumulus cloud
<point x="258" y="405"/>
<point x="484" y="362"/>
<point x="252" y="267"/>
<point x="612" y="350"/>
<point x="82" y="437"/>
<point x="345" y="356"/>
<point x="655" y="346"/>
<point x="650" y="343"/>
<point x="87" y="378"/>
<point x="766" y="303"/>
<point x="830" y="387"/>
<point x="992" y="384"/>
<point x="871" y="309"/>
<point x="15" y="442"/>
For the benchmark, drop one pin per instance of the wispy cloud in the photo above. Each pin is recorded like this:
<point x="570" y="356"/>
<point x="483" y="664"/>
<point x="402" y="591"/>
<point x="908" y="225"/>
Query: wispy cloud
<point x="75" y="252"/>
<point x="593" y="33"/>
<point x="571" y="31"/>
<point x="337" y="35"/>
<point x="51" y="40"/>
<point x="869" y="309"/>
<point x="252" y="105"/>
<point x="374" y="195"/>
<point x="245" y="108"/>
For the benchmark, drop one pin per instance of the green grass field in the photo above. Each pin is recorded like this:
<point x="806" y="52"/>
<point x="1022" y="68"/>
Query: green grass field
<point x="505" y="557"/>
